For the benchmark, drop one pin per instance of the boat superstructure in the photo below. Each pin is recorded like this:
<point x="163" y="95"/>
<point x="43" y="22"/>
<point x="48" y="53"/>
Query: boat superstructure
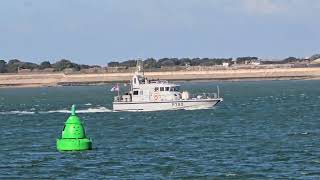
<point x="156" y="95"/>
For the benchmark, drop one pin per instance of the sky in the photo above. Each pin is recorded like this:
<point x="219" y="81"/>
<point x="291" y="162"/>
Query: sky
<point x="100" y="31"/>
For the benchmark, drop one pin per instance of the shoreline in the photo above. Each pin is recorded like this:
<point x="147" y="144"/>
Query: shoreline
<point x="4" y="86"/>
<point x="61" y="79"/>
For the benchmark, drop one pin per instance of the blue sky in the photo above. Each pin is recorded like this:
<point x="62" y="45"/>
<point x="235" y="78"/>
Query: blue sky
<point x="100" y="31"/>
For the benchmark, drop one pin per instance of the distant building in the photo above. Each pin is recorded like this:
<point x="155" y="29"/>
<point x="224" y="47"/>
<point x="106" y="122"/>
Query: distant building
<point x="225" y="64"/>
<point x="255" y="63"/>
<point x="234" y="61"/>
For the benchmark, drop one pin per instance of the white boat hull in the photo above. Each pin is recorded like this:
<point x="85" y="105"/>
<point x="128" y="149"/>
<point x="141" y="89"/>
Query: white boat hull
<point x="166" y="105"/>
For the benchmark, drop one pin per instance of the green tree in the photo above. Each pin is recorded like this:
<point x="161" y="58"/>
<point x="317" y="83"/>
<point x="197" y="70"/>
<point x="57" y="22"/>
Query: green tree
<point x="28" y="65"/>
<point x="150" y="63"/>
<point x="12" y="65"/>
<point x="62" y="64"/>
<point x="129" y="63"/>
<point x="290" y="60"/>
<point x="3" y="66"/>
<point x="184" y="61"/>
<point x="243" y="60"/>
<point x="195" y="62"/>
<point x="44" y="65"/>
<point x="166" y="62"/>
<point x="14" y="61"/>
<point x="113" y="64"/>
<point x="314" y="57"/>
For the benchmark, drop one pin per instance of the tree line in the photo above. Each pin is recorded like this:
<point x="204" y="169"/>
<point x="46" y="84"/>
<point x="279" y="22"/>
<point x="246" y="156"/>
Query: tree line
<point x="153" y="63"/>
<point x="13" y="65"/>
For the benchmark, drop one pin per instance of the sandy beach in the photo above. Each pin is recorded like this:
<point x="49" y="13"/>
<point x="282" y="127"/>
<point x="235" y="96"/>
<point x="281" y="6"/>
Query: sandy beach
<point x="61" y="79"/>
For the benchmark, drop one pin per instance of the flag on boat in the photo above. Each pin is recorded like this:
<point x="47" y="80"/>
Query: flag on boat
<point x="115" y="88"/>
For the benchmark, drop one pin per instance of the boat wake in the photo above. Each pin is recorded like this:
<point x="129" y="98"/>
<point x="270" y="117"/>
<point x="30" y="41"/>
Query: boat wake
<point x="198" y="108"/>
<point x="16" y="112"/>
<point x="85" y="111"/>
<point x="89" y="110"/>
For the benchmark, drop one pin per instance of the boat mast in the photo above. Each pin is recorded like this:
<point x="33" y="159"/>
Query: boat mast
<point x="118" y="90"/>
<point x="139" y="68"/>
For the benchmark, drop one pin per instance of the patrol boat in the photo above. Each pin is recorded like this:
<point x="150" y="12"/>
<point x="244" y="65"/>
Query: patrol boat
<point x="158" y="95"/>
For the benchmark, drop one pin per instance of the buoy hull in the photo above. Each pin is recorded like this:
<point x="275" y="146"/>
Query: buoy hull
<point x="74" y="144"/>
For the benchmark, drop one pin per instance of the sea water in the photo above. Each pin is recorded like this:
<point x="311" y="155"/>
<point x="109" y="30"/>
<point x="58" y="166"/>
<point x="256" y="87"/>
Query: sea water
<point x="262" y="130"/>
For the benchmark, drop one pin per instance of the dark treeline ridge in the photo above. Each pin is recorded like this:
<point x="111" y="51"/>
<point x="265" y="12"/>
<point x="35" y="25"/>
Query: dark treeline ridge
<point x="13" y="65"/>
<point x="154" y="63"/>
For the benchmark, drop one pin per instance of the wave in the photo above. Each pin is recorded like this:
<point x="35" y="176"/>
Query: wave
<point x="17" y="112"/>
<point x="89" y="110"/>
<point x="84" y="111"/>
<point x="192" y="108"/>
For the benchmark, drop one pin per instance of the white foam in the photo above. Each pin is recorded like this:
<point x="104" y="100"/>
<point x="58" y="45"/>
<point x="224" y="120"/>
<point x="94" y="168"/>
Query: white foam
<point x="231" y="174"/>
<point x="17" y="112"/>
<point x="89" y="110"/>
<point x="197" y="108"/>
<point x="88" y="104"/>
<point x="83" y="111"/>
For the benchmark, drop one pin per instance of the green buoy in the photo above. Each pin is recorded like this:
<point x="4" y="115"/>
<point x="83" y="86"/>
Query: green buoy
<point x="73" y="135"/>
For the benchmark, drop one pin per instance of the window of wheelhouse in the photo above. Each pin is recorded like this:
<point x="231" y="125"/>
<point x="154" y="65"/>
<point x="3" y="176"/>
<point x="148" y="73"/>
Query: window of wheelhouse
<point x="176" y="88"/>
<point x="156" y="89"/>
<point x="167" y="88"/>
<point x="135" y="92"/>
<point x="142" y="80"/>
<point x="161" y="88"/>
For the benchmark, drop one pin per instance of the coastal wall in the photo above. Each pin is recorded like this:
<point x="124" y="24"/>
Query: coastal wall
<point x="54" y="79"/>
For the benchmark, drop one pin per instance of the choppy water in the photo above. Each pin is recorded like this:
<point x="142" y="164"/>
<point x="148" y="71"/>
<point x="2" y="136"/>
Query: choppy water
<point x="263" y="130"/>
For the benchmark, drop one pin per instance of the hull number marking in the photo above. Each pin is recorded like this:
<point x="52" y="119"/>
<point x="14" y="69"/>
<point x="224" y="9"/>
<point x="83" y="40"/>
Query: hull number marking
<point x="177" y="104"/>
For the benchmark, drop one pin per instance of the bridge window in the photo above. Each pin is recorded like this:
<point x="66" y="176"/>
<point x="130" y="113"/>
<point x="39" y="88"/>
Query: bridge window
<point x="142" y="80"/>
<point x="161" y="88"/>
<point x="167" y="88"/>
<point x="156" y="89"/>
<point x="177" y="88"/>
<point x="135" y="92"/>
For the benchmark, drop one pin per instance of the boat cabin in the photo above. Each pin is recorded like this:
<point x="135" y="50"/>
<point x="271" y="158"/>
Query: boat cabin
<point x="145" y="90"/>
